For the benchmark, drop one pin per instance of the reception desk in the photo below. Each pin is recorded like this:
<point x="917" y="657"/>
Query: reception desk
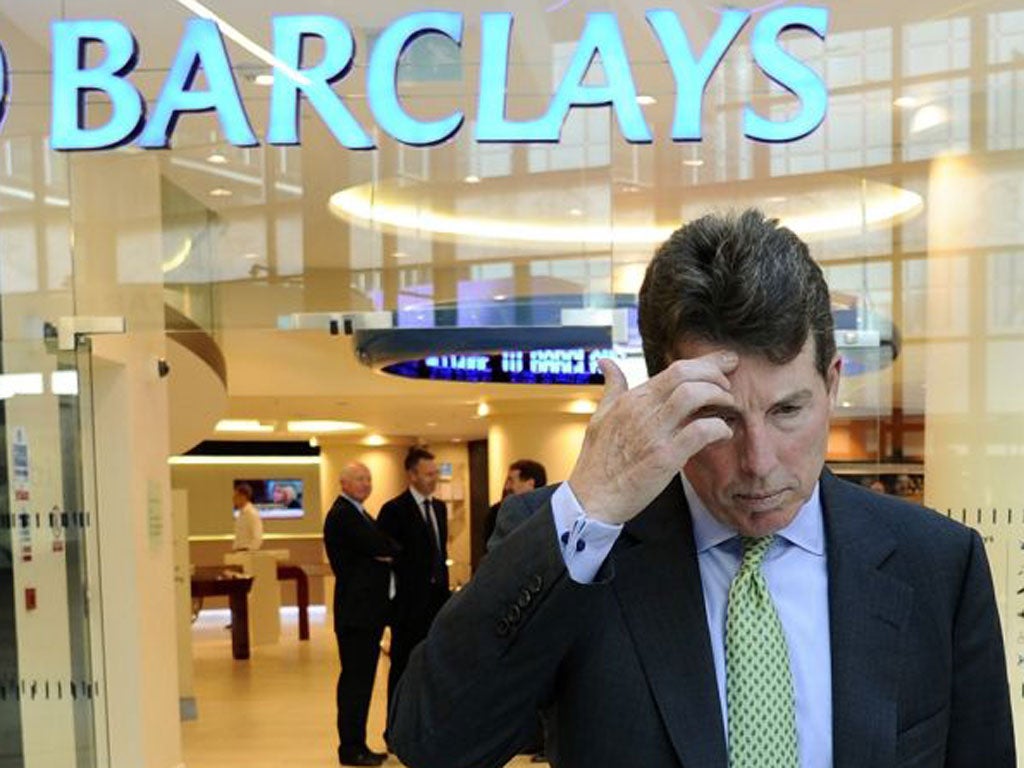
<point x="265" y="606"/>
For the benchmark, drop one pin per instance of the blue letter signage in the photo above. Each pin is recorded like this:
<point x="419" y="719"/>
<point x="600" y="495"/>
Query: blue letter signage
<point x="601" y="40"/>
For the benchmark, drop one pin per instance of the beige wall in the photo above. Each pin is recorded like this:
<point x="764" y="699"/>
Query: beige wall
<point x="209" y="496"/>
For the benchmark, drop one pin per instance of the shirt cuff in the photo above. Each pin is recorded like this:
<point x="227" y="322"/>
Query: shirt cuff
<point x="585" y="542"/>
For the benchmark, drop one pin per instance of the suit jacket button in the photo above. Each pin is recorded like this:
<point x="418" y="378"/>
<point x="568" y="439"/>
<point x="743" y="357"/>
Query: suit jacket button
<point x="536" y="584"/>
<point x="504" y="627"/>
<point x="514" y="614"/>
<point x="525" y="598"/>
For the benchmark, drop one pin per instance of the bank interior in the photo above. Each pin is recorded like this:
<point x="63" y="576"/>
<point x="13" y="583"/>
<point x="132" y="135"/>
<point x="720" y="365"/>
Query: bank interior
<point x="177" y="320"/>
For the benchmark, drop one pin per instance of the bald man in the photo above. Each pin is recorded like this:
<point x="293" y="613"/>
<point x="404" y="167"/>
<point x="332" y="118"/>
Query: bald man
<point x="361" y="556"/>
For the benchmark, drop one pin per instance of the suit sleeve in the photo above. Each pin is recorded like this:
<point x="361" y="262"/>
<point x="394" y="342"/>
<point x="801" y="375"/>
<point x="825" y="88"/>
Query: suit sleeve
<point x="981" y="721"/>
<point x="470" y="694"/>
<point x="366" y="539"/>
<point x="511" y="514"/>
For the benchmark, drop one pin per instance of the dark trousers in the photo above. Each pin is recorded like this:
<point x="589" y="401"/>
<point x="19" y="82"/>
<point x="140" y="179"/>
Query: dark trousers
<point x="406" y="633"/>
<point x="359" y="649"/>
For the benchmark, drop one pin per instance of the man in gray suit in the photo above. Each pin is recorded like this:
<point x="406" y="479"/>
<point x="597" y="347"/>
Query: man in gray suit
<point x="702" y="592"/>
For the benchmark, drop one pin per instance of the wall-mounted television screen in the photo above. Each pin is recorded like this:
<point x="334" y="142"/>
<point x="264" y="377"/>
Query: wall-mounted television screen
<point x="277" y="498"/>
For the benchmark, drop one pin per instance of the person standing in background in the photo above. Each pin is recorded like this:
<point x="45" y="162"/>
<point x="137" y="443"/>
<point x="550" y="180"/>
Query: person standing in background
<point x="524" y="475"/>
<point x="248" y="525"/>
<point x="361" y="556"/>
<point x="418" y="522"/>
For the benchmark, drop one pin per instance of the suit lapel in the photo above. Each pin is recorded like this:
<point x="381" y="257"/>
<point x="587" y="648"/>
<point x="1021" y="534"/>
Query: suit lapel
<point x="657" y="583"/>
<point x="868" y="610"/>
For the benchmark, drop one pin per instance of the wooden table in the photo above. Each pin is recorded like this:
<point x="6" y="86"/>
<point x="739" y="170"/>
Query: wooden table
<point x="236" y="588"/>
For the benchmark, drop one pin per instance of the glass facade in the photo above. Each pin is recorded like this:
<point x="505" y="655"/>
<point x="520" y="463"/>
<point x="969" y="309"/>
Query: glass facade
<point x="909" y="193"/>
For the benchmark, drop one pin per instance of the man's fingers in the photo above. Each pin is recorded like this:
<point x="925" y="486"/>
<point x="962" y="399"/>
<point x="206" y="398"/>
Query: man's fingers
<point x="614" y="381"/>
<point x="687" y="400"/>
<point x="698" y="434"/>
<point x="712" y="368"/>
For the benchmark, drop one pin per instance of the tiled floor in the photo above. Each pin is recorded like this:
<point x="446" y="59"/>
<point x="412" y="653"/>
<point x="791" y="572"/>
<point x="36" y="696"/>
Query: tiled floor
<point x="275" y="710"/>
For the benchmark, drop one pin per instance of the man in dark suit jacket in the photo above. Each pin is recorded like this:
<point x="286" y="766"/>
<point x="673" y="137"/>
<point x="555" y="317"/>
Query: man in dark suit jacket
<point x="612" y="604"/>
<point x="419" y="523"/>
<point x="361" y="556"/>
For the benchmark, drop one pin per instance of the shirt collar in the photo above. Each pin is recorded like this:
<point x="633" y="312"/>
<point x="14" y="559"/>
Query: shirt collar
<point x="420" y="498"/>
<point x="357" y="504"/>
<point x="807" y="530"/>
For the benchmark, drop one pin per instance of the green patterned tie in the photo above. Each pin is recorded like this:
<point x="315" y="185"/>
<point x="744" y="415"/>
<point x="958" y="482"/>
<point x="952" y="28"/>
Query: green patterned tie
<point x="759" y="686"/>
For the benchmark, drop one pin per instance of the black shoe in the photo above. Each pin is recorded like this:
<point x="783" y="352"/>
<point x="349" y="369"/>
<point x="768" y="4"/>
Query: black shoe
<point x="364" y="757"/>
<point x="540" y="757"/>
<point x="382" y="756"/>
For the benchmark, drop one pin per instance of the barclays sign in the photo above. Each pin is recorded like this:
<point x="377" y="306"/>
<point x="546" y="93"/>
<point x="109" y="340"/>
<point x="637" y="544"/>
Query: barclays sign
<point x="202" y="49"/>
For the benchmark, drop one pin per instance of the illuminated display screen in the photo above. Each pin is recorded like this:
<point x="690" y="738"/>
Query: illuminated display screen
<point x="539" y="366"/>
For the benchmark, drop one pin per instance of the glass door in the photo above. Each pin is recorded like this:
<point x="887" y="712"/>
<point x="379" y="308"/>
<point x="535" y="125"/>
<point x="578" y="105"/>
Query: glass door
<point x="52" y="709"/>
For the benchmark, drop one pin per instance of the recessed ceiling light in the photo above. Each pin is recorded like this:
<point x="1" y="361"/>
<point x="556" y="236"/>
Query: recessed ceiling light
<point x="242" y="425"/>
<point x="324" y="425"/>
<point x="575" y="212"/>
<point x="695" y="163"/>
<point x="431" y="423"/>
<point x="220" y="192"/>
<point x="374" y="439"/>
<point x="456" y="439"/>
<point x="216" y="158"/>
<point x="472" y="179"/>
<point x="906" y="102"/>
<point x="399" y="254"/>
<point x="582" y="405"/>
<point x="313" y="442"/>
<point x="264" y="79"/>
<point x="776" y="199"/>
<point x="250" y="256"/>
<point x="483" y="409"/>
<point x="500" y="297"/>
<point x="644" y="100"/>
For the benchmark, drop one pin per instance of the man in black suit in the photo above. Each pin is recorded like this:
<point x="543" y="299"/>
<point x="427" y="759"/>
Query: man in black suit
<point x="419" y="523"/>
<point x="700" y="549"/>
<point x="361" y="556"/>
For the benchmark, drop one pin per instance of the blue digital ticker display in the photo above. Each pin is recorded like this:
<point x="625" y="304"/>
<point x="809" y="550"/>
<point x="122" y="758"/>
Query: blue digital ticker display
<point x="575" y="366"/>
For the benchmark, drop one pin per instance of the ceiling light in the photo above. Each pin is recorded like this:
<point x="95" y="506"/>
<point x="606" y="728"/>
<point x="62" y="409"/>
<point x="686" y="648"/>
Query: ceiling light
<point x="324" y="425"/>
<point x="313" y="442"/>
<point x="583" y="406"/>
<point x="431" y="423"/>
<point x="575" y="212"/>
<point x="220" y="192"/>
<point x="374" y="439"/>
<point x="834" y="204"/>
<point x="264" y="80"/>
<point x="482" y="410"/>
<point x="242" y="425"/>
<point x="217" y="159"/>
<point x="906" y="102"/>
<point x="456" y="439"/>
<point x="250" y="256"/>
<point x="292" y="460"/>
<point x="695" y="163"/>
<point x="399" y="254"/>
<point x="472" y="179"/>
<point x="644" y="100"/>
<point x="500" y="297"/>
